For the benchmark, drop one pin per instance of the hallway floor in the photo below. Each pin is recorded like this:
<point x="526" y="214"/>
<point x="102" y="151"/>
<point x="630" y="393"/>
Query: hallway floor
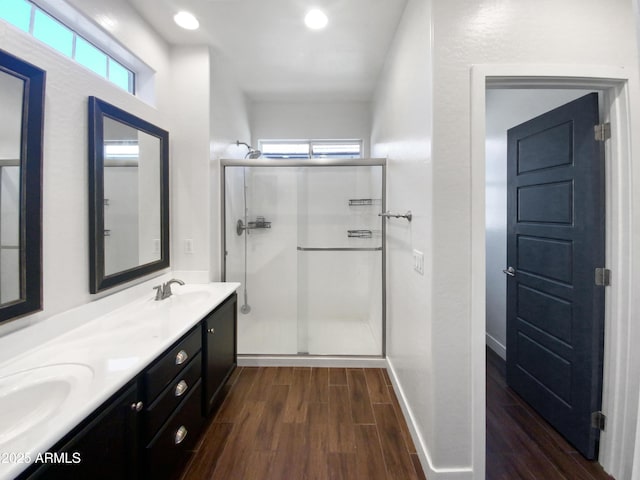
<point x="521" y="444"/>
<point x="280" y="423"/>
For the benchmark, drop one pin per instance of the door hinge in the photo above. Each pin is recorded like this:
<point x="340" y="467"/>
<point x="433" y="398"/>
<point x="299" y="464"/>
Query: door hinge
<point x="602" y="132"/>
<point x="598" y="420"/>
<point x="603" y="277"/>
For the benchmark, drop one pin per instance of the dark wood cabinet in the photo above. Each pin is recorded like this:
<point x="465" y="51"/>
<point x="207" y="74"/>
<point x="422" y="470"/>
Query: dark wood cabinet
<point x="219" y="332"/>
<point x="172" y="419"/>
<point x="150" y="427"/>
<point x="169" y="451"/>
<point x="105" y="447"/>
<point x="171" y="363"/>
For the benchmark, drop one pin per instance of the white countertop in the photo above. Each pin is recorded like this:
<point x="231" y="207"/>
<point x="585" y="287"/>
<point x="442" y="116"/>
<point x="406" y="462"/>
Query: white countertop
<point x="81" y="368"/>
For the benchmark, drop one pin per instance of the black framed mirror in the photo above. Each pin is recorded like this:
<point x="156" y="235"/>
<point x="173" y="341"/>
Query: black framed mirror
<point x="21" y="127"/>
<point x="128" y="196"/>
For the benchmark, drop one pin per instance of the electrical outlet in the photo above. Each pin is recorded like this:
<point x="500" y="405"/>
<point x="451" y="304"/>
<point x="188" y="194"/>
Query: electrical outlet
<point x="418" y="261"/>
<point x="188" y="246"/>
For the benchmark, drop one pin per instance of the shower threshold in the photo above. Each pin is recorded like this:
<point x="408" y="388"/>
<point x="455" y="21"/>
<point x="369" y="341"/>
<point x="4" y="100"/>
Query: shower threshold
<point x="305" y="360"/>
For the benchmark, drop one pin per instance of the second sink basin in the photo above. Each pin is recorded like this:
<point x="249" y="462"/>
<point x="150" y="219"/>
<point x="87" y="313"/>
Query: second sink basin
<point x="30" y="397"/>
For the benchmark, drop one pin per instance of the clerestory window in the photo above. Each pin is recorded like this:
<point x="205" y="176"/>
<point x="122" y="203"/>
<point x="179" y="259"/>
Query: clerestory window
<point x="297" y="149"/>
<point x="35" y="21"/>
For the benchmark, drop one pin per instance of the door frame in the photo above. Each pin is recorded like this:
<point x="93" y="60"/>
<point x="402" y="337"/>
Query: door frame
<point x="620" y="384"/>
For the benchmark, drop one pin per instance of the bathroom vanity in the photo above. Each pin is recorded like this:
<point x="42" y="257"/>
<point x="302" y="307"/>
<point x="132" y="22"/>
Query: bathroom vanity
<point x="166" y="372"/>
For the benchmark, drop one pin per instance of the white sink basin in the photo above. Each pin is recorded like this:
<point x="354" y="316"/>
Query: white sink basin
<point x="189" y="293"/>
<point x="30" y="397"/>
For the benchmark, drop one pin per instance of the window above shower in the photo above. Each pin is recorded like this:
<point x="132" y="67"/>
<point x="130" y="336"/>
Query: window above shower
<point x="307" y="149"/>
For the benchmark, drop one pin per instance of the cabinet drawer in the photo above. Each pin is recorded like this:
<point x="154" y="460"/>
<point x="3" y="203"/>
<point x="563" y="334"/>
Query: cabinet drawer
<point x="171" y="364"/>
<point x="167" y="454"/>
<point x="171" y="397"/>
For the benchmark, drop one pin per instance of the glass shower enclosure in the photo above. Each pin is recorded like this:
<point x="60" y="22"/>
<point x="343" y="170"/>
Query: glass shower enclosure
<point x="305" y="240"/>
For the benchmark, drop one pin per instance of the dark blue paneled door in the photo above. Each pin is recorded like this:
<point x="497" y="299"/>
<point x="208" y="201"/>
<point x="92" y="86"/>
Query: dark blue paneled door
<point x="555" y="241"/>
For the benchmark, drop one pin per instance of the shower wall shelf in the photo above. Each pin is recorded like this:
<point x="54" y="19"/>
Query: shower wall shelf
<point x="364" y="201"/>
<point x="257" y="224"/>
<point x="359" y="233"/>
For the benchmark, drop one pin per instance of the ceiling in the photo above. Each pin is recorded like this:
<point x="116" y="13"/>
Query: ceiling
<point x="274" y="57"/>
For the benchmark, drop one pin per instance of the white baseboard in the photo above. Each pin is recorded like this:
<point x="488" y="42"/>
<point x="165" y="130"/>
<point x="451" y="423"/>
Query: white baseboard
<point x="431" y="472"/>
<point x="497" y="347"/>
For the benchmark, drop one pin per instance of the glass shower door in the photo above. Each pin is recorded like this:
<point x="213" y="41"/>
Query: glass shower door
<point x="306" y="242"/>
<point x="260" y="240"/>
<point x="340" y="261"/>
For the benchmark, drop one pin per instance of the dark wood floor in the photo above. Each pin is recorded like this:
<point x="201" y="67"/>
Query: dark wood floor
<point x="307" y="424"/>
<point x="521" y="444"/>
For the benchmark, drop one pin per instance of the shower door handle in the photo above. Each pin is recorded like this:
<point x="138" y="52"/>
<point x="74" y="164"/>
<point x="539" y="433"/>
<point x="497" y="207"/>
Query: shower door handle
<point x="388" y="214"/>
<point x="339" y="249"/>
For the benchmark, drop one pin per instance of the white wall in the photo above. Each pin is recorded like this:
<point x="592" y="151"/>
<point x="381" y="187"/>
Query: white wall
<point x="65" y="163"/>
<point x="468" y="32"/>
<point x="190" y="149"/>
<point x="190" y="94"/>
<point x="425" y="131"/>
<point x="310" y="120"/>
<point x="506" y="108"/>
<point x="229" y="123"/>
<point x="402" y="132"/>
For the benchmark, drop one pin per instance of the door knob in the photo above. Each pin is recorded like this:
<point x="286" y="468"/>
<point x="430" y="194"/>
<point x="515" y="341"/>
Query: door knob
<point x="510" y="271"/>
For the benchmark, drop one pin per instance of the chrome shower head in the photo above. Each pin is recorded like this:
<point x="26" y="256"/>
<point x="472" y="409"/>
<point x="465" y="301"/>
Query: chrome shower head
<point x="252" y="153"/>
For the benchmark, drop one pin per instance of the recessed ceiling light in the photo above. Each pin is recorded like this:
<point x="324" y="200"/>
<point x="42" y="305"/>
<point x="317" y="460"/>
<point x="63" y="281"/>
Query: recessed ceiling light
<point x="316" y="19"/>
<point x="186" y="20"/>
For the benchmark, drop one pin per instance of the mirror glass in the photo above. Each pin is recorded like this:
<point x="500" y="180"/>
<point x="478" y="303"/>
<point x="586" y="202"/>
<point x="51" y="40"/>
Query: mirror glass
<point x="11" y="99"/>
<point x="129" y="199"/>
<point x="21" y="123"/>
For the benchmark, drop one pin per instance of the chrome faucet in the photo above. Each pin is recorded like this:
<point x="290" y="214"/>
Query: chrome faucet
<point x="164" y="291"/>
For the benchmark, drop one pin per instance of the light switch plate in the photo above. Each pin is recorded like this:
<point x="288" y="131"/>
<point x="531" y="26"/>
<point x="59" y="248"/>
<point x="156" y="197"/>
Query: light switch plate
<point x="418" y="261"/>
<point x="188" y="245"/>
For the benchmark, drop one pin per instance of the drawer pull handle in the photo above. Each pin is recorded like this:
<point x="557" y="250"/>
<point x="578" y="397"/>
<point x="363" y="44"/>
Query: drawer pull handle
<point x="212" y="330"/>
<point x="181" y="434"/>
<point x="181" y="357"/>
<point x="181" y="388"/>
<point x="137" y="406"/>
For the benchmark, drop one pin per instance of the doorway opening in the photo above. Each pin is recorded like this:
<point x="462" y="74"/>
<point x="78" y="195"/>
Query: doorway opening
<point x="545" y="217"/>
<point x="611" y="84"/>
